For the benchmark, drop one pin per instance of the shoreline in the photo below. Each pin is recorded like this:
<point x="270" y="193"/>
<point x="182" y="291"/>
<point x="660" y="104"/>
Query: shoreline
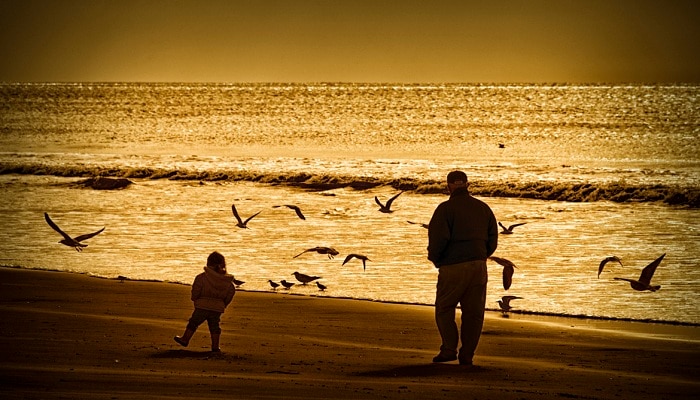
<point x="68" y="335"/>
<point x="523" y="313"/>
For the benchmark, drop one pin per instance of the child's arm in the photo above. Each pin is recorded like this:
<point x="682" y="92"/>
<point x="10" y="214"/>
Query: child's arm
<point x="229" y="295"/>
<point x="197" y="288"/>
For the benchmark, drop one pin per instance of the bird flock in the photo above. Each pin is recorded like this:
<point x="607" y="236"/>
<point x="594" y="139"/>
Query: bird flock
<point x="643" y="283"/>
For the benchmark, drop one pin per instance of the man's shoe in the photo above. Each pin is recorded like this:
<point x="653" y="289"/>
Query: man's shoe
<point x="442" y="357"/>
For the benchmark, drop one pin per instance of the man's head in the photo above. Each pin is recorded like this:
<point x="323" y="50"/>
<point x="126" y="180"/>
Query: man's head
<point x="456" y="179"/>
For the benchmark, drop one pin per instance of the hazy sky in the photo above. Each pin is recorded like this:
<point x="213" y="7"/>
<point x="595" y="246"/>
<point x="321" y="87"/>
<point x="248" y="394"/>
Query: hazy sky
<point x="350" y="40"/>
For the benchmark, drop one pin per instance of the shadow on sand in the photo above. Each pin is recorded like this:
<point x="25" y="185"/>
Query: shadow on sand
<point x="182" y="353"/>
<point x="432" y="369"/>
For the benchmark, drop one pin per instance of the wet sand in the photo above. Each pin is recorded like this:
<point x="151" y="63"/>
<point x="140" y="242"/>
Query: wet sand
<point x="73" y="336"/>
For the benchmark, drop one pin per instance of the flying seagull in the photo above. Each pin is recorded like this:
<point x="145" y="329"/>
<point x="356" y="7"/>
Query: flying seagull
<point x="274" y="285"/>
<point x="286" y="284"/>
<point x="69" y="241"/>
<point x="509" y="230"/>
<point x="293" y="207"/>
<point x="321" y="250"/>
<point x="321" y="286"/>
<point x="241" y="223"/>
<point x="426" y="226"/>
<point x="359" y="257"/>
<point x="644" y="282"/>
<point x="507" y="270"/>
<point x="504" y="302"/>
<point x="237" y="282"/>
<point x="607" y="260"/>
<point x="386" y="208"/>
<point x="304" y="279"/>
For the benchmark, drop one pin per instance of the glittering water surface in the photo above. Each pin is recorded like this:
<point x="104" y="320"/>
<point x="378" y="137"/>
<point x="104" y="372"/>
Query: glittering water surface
<point x="164" y="228"/>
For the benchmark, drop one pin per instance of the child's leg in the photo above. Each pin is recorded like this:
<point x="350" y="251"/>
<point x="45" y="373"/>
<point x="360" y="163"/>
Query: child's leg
<point x="195" y="320"/>
<point x="215" y="342"/>
<point x="214" y="330"/>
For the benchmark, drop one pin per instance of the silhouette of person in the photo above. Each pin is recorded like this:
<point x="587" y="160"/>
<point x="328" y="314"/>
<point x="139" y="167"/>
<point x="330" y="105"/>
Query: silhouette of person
<point x="212" y="292"/>
<point x="462" y="234"/>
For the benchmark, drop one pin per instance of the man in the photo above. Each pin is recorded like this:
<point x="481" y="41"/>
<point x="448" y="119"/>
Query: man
<point x="462" y="234"/>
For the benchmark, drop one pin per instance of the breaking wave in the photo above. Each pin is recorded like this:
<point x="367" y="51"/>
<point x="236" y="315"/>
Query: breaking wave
<point x="620" y="192"/>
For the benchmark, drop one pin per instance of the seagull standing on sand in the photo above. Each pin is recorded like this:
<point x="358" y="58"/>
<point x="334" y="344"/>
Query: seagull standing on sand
<point x="359" y="257"/>
<point x="241" y="223"/>
<point x="504" y="302"/>
<point x="644" y="282"/>
<point x="69" y="241"/>
<point x="509" y="230"/>
<point x="274" y="285"/>
<point x="331" y="252"/>
<point x="607" y="260"/>
<point x="304" y="279"/>
<point x="286" y="284"/>
<point x="293" y="207"/>
<point x="321" y="286"/>
<point x="386" y="208"/>
<point x="508" y="270"/>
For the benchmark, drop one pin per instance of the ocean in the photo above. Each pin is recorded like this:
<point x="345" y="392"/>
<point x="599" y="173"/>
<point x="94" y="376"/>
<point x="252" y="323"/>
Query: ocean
<point x="592" y="170"/>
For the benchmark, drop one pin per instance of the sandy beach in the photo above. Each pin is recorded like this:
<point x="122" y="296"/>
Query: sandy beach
<point x="74" y="336"/>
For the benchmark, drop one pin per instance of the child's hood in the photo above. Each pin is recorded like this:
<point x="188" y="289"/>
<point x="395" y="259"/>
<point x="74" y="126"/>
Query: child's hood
<point x="217" y="279"/>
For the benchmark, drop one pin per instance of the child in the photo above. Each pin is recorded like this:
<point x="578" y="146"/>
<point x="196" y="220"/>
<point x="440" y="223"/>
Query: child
<point x="212" y="291"/>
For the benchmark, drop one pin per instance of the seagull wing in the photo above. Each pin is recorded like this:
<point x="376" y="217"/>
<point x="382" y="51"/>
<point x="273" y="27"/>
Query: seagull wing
<point x="87" y="235"/>
<point x="391" y="200"/>
<point x="625" y="279"/>
<point x="510" y="228"/>
<point x="649" y="270"/>
<point x="376" y="200"/>
<point x="296" y="210"/>
<point x="349" y="257"/>
<point x="507" y="299"/>
<point x="605" y="261"/>
<point x="502" y="261"/>
<point x="55" y="227"/>
<point x="303" y="252"/>
<point x="251" y="217"/>
<point x="600" y="267"/>
<point x="507" y="277"/>
<point x="235" y="214"/>
<point x="501" y="225"/>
